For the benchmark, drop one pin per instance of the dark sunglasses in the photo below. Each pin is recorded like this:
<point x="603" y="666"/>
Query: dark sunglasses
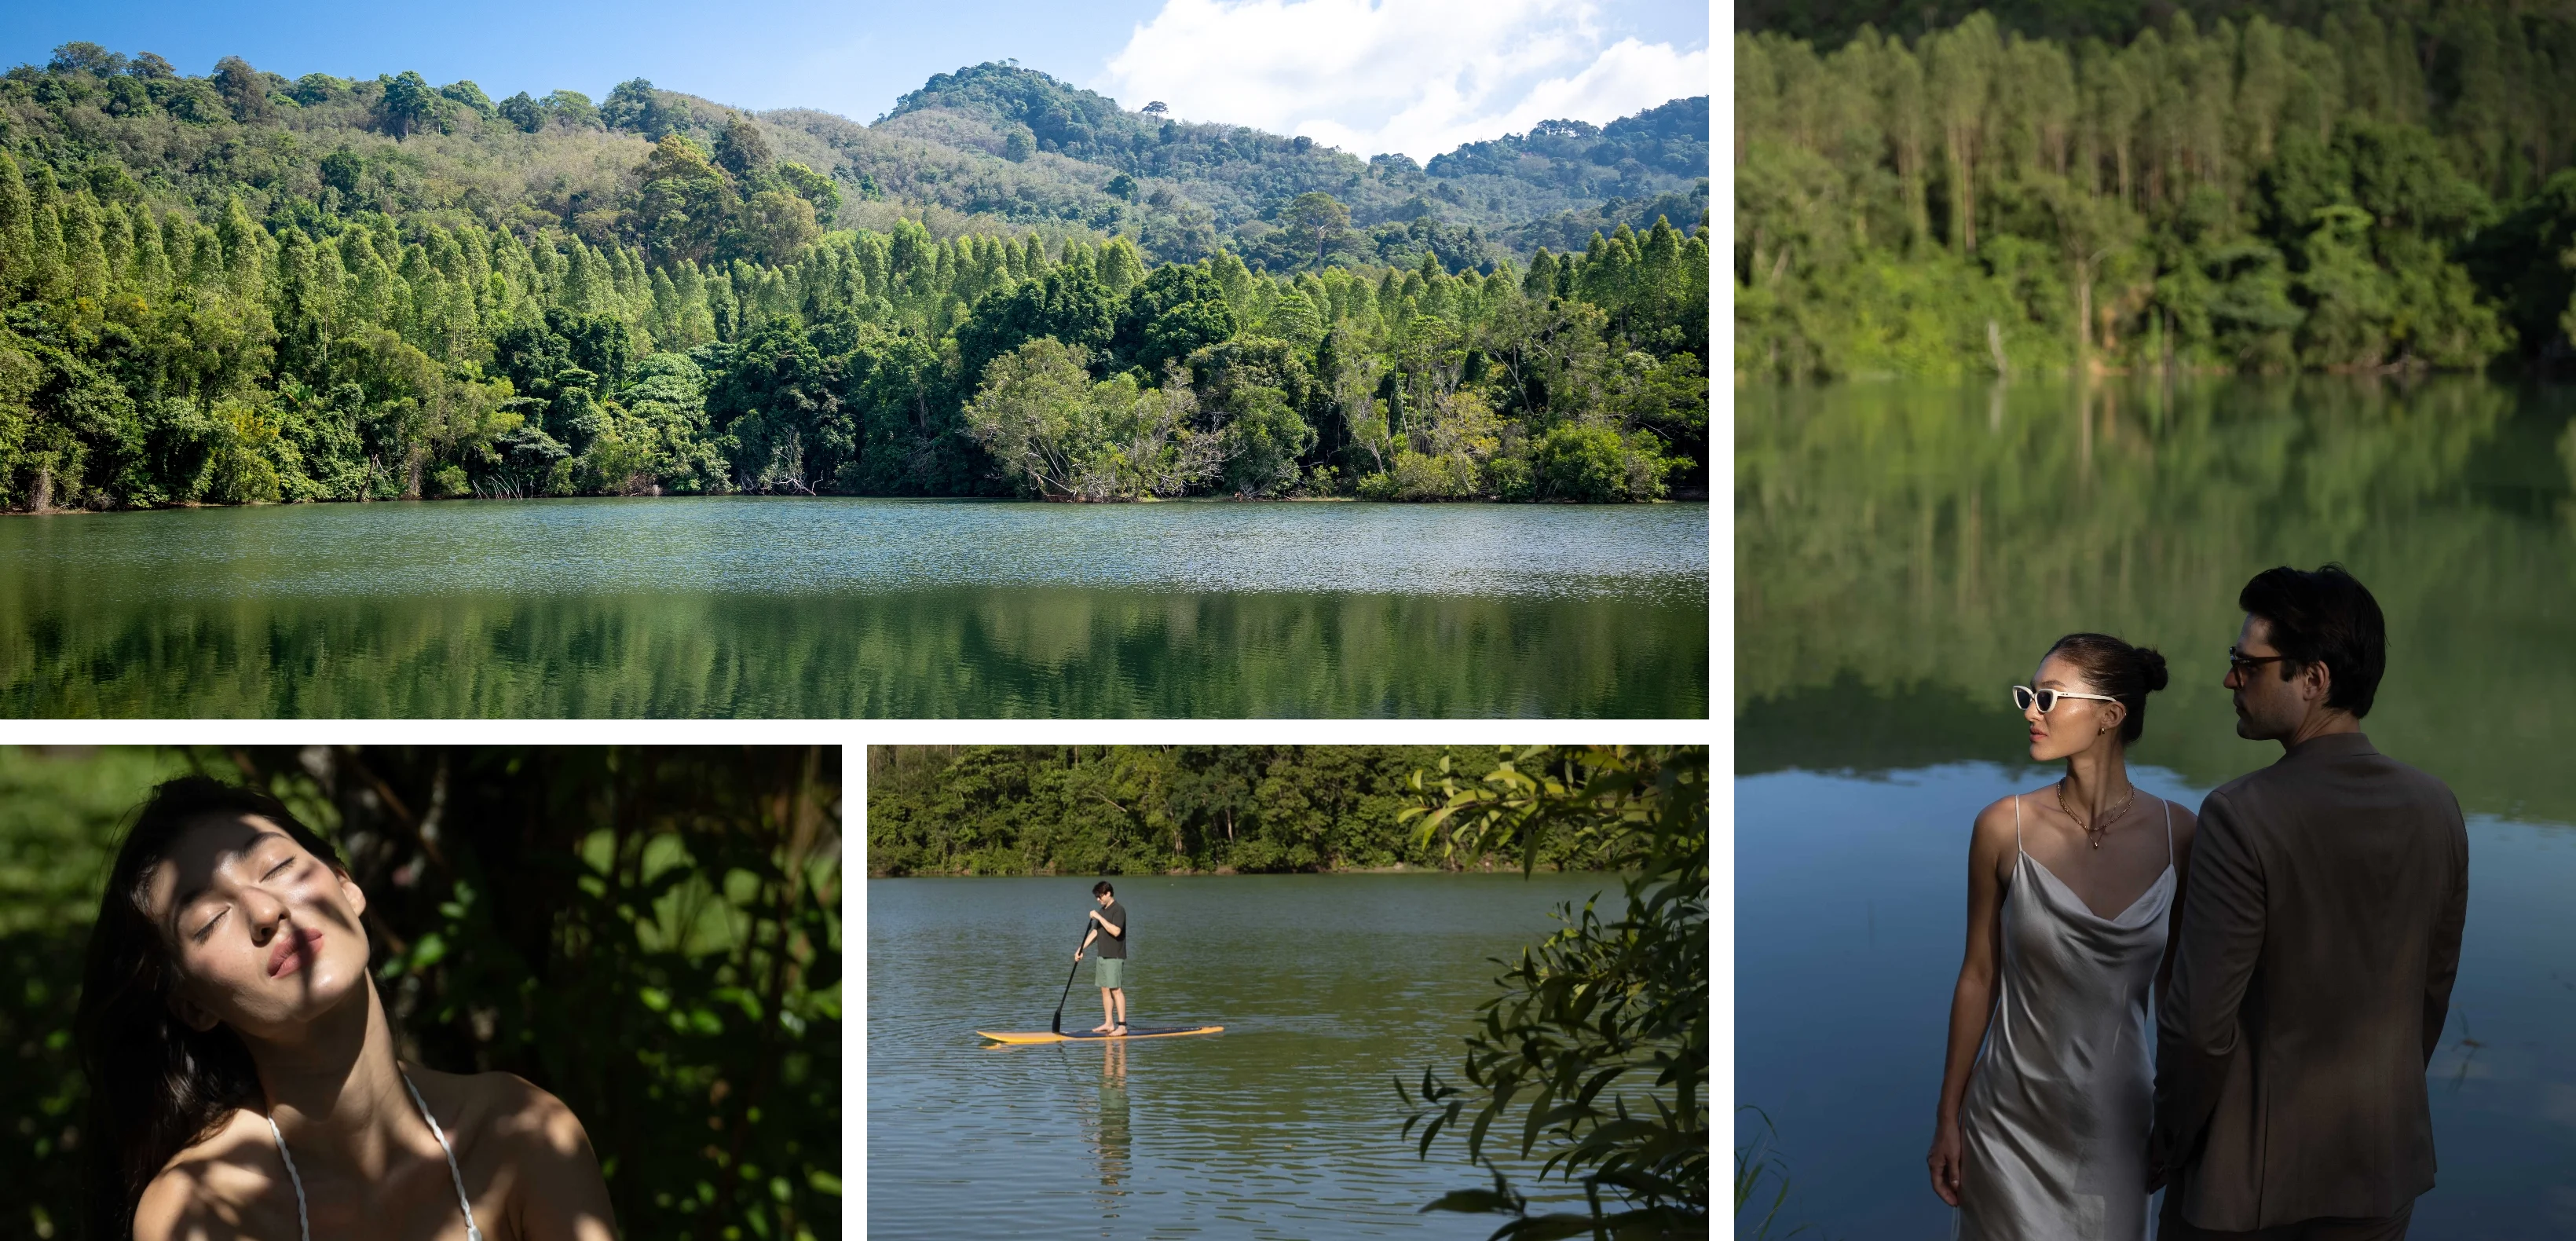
<point x="2241" y="663"/>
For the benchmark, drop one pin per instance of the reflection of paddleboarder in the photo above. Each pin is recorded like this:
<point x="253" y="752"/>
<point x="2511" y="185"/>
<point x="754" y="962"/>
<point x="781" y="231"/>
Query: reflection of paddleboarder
<point x="1109" y="968"/>
<point x="1110" y="1135"/>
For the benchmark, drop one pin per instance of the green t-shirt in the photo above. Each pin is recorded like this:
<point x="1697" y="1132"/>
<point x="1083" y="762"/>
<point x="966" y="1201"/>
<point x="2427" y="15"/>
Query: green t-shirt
<point x="1111" y="947"/>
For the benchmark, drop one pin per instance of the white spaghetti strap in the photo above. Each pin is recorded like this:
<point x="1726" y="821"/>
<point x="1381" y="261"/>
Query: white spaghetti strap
<point x="2169" y="853"/>
<point x="302" y="1229"/>
<point x="472" y="1233"/>
<point x="2017" y="823"/>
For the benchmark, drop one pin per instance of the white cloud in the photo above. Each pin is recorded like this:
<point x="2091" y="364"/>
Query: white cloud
<point x="1416" y="76"/>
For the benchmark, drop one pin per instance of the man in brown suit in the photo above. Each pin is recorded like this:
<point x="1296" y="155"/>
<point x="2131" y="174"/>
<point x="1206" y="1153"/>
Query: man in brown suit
<point x="2313" y="962"/>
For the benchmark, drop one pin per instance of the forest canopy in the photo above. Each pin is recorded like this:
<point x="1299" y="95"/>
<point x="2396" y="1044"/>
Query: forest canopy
<point x="2366" y="188"/>
<point x="1126" y="810"/>
<point x="245" y="289"/>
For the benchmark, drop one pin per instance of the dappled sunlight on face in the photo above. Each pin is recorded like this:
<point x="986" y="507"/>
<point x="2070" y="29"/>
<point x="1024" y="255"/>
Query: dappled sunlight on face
<point x="265" y="935"/>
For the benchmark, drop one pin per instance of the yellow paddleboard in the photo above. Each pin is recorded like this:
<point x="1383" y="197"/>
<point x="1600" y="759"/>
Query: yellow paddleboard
<point x="1048" y="1036"/>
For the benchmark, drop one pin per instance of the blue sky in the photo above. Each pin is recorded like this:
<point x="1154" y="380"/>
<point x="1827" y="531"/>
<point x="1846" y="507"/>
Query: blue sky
<point x="1410" y="75"/>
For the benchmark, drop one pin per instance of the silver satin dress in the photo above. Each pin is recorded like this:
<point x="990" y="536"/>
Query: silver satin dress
<point x="2056" y="1116"/>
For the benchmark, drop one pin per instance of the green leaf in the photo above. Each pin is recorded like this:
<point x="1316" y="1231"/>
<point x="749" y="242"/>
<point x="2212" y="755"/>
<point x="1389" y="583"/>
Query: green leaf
<point x="1537" y="1118"/>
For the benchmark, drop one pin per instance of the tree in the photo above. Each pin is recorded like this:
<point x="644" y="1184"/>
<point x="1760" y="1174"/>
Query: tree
<point x="242" y="91"/>
<point x="1070" y="307"/>
<point x="777" y="398"/>
<point x="341" y="169"/>
<point x="1599" y="1039"/>
<point x="815" y="189"/>
<point x="1264" y="438"/>
<point x="408" y="104"/>
<point x="1036" y="417"/>
<point x="774" y="228"/>
<point x="524" y="112"/>
<point x="572" y="108"/>
<point x="1177" y="310"/>
<point x="469" y="95"/>
<point x="685" y="203"/>
<point x="1315" y="223"/>
<point x="634" y="105"/>
<point x="84" y="57"/>
<point x="1960" y="67"/>
<point x="740" y="149"/>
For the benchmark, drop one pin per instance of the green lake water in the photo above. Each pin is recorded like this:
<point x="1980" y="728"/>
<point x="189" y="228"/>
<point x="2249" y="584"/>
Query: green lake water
<point x="1906" y="553"/>
<point x="723" y="607"/>
<point x="1286" y="1125"/>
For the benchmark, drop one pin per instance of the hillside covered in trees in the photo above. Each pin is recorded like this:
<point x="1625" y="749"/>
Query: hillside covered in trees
<point x="2344" y="186"/>
<point x="240" y="288"/>
<point x="1128" y="810"/>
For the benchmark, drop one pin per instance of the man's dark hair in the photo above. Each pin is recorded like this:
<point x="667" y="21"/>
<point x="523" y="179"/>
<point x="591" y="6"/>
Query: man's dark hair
<point x="1102" y="888"/>
<point x="2328" y="617"/>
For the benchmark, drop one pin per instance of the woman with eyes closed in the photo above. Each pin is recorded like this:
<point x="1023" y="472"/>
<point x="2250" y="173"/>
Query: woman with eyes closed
<point x="243" y="1082"/>
<point x="2071" y="890"/>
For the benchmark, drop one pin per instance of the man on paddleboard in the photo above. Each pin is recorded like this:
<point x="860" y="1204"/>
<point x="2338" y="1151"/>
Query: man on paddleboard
<point x="1109" y="968"/>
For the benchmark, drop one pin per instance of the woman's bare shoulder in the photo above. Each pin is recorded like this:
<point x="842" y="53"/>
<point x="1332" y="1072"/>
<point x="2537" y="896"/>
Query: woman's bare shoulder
<point x="1998" y="821"/>
<point x="220" y="1188"/>
<point x="512" y="1110"/>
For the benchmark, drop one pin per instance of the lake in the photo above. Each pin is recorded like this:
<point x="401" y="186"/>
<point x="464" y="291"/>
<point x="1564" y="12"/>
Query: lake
<point x="1286" y="1125"/>
<point x="738" y="606"/>
<point x="1906" y="553"/>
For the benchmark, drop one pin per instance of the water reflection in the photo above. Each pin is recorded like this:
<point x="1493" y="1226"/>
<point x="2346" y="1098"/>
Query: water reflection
<point x="1021" y="653"/>
<point x="1905" y="553"/>
<point x="1109" y="1128"/>
<point x="857" y="608"/>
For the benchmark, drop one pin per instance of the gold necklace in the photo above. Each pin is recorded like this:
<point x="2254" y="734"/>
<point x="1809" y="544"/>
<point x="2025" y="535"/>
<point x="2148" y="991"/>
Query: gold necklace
<point x="2094" y="831"/>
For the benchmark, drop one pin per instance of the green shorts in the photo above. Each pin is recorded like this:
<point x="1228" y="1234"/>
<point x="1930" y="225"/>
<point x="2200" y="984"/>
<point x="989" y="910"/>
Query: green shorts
<point x="1109" y="971"/>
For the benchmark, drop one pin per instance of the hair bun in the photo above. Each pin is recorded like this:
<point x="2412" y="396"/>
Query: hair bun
<point x="2152" y="665"/>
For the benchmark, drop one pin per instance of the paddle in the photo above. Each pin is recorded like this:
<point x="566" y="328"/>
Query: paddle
<point x="1057" y="1025"/>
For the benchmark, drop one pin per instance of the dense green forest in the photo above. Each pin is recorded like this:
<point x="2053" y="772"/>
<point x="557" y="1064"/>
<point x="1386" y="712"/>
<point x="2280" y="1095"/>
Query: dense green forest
<point x="1127" y="810"/>
<point x="2350" y="186"/>
<point x="240" y="288"/>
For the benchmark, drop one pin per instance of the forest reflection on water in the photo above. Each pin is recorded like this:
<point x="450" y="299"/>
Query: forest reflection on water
<point x="778" y="607"/>
<point x="1906" y="553"/>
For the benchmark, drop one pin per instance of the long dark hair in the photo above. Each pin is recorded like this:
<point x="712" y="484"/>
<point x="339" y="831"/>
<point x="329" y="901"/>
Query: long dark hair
<point x="155" y="1085"/>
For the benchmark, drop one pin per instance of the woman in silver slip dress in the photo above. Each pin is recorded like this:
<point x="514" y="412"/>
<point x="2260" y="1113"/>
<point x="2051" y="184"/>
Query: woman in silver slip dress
<point x="2042" y="1135"/>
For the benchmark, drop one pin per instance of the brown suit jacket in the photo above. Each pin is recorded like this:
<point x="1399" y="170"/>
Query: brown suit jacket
<point x="2312" y="973"/>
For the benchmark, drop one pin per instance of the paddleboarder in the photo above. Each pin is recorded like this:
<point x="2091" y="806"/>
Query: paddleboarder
<point x="1109" y="968"/>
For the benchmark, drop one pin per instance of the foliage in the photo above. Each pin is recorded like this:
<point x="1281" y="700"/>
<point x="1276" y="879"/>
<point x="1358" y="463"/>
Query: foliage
<point x="352" y="290"/>
<point x="1257" y="188"/>
<point x="528" y="908"/>
<point x="1756" y="1163"/>
<point x="1016" y="810"/>
<point x="1599" y="1005"/>
<point x="1985" y="198"/>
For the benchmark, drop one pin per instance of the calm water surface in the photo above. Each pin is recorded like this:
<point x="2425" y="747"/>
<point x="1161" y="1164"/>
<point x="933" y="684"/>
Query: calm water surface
<point x="1286" y="1125"/>
<point x="834" y="607"/>
<point x="1906" y="553"/>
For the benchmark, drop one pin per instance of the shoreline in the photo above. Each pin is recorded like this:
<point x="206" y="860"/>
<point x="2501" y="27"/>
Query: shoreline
<point x="1488" y="867"/>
